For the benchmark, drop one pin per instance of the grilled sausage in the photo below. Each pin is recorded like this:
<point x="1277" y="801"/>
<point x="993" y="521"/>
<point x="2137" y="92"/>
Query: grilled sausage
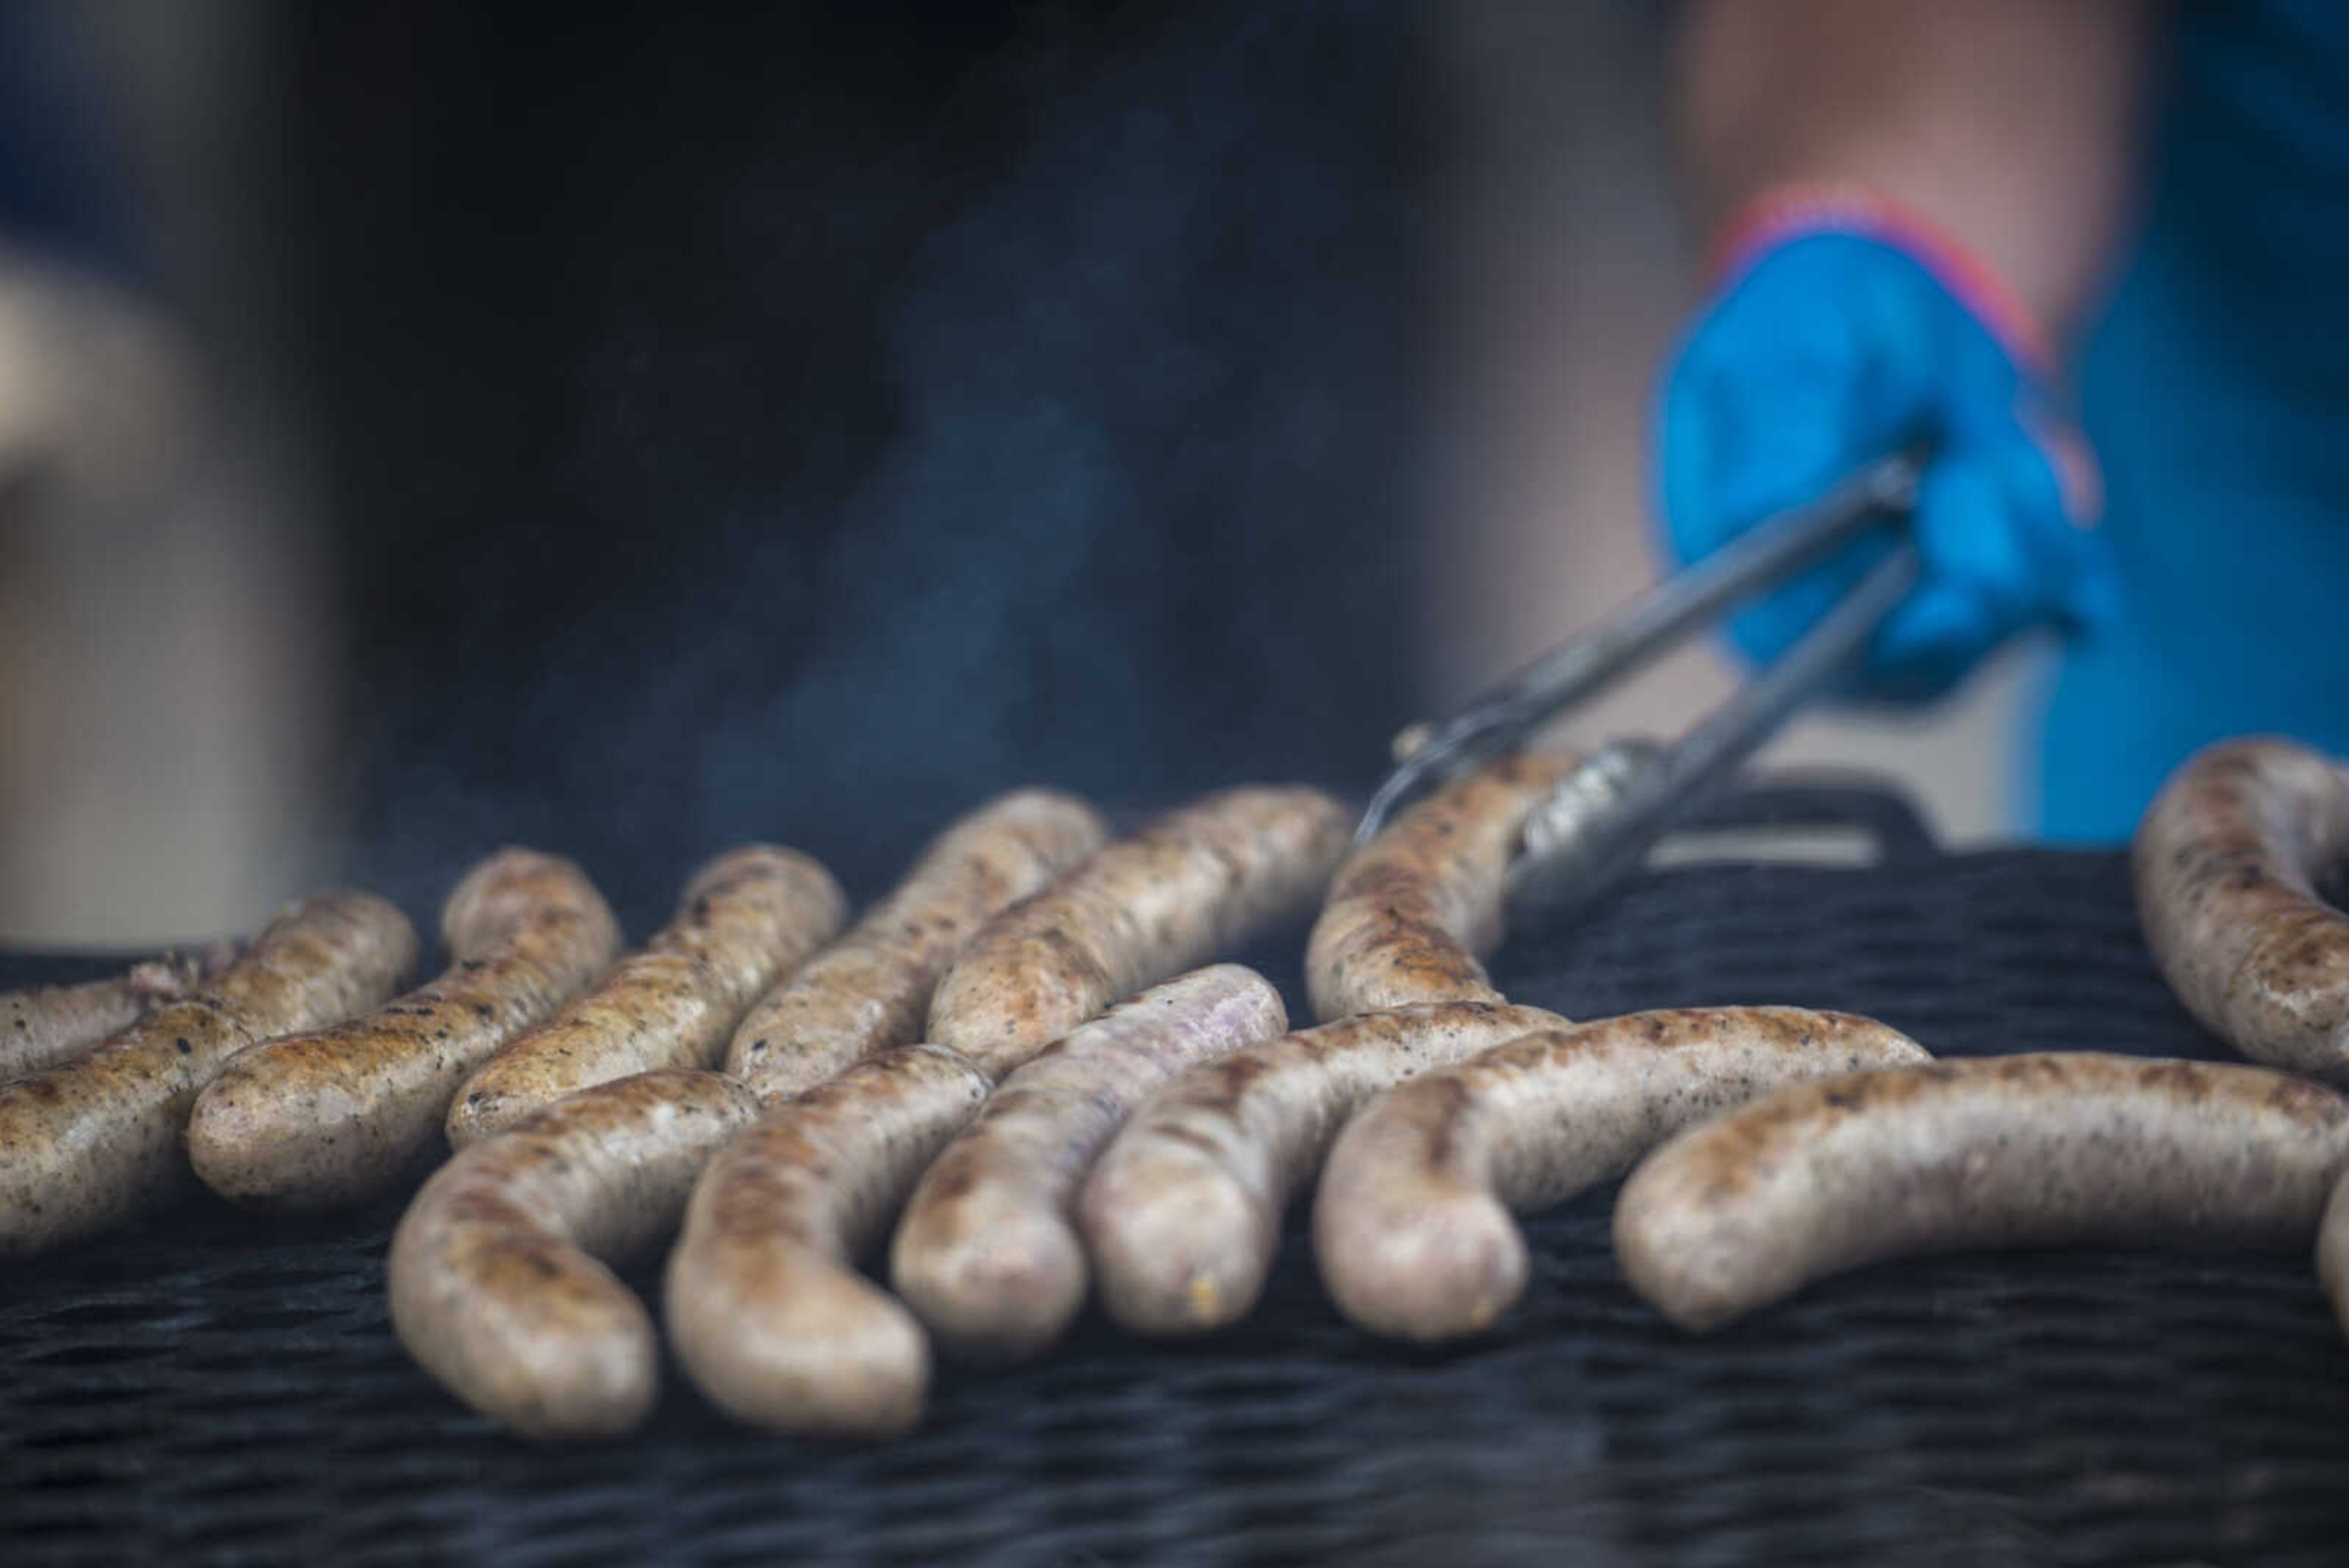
<point x="1413" y="913"/>
<point x="42" y="1028"/>
<point x="1411" y="1222"/>
<point x="1195" y="883"/>
<point x="2033" y="1150"/>
<point x="337" y="1115"/>
<point x="766" y="1312"/>
<point x="2333" y="1252"/>
<point x="497" y="1274"/>
<point x="986" y="1253"/>
<point x="1182" y="1213"/>
<point x="870" y="990"/>
<point x="88" y="1144"/>
<point x="2226" y="861"/>
<point x="746" y="919"/>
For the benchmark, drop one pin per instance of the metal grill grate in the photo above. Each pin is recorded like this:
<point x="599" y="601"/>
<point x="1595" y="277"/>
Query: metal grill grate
<point x="213" y="1386"/>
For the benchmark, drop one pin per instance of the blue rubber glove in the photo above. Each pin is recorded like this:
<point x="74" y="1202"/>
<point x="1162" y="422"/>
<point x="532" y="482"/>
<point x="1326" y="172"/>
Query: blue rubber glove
<point x="1846" y="330"/>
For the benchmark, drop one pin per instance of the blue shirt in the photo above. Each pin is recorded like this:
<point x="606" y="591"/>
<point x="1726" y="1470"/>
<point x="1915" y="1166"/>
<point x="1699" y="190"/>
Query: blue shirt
<point x="2216" y="390"/>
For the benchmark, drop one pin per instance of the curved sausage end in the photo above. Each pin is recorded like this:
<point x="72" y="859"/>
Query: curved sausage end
<point x="1446" y="1270"/>
<point x="1163" y="1259"/>
<point x="573" y="1357"/>
<point x="1006" y="1291"/>
<point x="1670" y="1272"/>
<point x="828" y="1354"/>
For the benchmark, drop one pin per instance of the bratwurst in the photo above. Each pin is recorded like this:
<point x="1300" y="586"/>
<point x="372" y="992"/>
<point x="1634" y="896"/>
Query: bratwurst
<point x="2004" y="1151"/>
<point x="497" y="1277"/>
<point x="746" y="919"/>
<point x="1182" y="1214"/>
<point x="88" y="1144"/>
<point x="332" y="1118"/>
<point x="41" y="1028"/>
<point x="1413" y="913"/>
<point x="2227" y="862"/>
<point x="986" y="1253"/>
<point x="766" y="1310"/>
<point x="1411" y="1222"/>
<point x="1194" y="883"/>
<point x="870" y="990"/>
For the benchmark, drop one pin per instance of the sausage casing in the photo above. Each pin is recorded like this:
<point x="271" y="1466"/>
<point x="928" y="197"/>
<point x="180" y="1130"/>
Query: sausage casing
<point x="2004" y="1151"/>
<point x="986" y="1253"/>
<point x="1412" y="1220"/>
<point x="336" y="1115"/>
<point x="870" y="990"/>
<point x="2226" y="863"/>
<point x="88" y="1144"/>
<point x="1195" y="882"/>
<point x="2333" y="1252"/>
<point x="1182" y="1214"/>
<point x="766" y="1310"/>
<point x="498" y="1279"/>
<point x="52" y="1025"/>
<point x="1413" y="913"/>
<point x="746" y="919"/>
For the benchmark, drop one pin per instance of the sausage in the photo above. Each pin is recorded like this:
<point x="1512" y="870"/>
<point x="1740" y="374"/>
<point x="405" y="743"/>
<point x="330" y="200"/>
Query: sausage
<point x="334" y="1117"/>
<point x="88" y="1144"/>
<point x="1412" y="912"/>
<point x="1411" y="1222"/>
<point x="1195" y="882"/>
<point x="745" y="919"/>
<point x="766" y="1312"/>
<point x="41" y="1028"/>
<point x="870" y="990"/>
<point x="2033" y="1150"/>
<point x="497" y="1274"/>
<point x="2226" y="862"/>
<point x="986" y="1253"/>
<point x="2333" y="1252"/>
<point x="1182" y="1213"/>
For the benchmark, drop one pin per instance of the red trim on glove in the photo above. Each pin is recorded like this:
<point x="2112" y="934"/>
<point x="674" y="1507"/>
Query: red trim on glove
<point x="1790" y="212"/>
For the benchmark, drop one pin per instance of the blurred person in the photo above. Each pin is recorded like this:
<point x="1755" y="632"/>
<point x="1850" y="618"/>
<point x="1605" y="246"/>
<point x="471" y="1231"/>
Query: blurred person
<point x="1965" y="222"/>
<point x="158" y="650"/>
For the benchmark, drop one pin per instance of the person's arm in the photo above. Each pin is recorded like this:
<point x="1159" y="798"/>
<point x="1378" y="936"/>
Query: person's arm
<point x="1910" y="205"/>
<point x="2010" y="125"/>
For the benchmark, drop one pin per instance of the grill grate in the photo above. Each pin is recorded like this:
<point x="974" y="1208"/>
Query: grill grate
<point x="215" y="1386"/>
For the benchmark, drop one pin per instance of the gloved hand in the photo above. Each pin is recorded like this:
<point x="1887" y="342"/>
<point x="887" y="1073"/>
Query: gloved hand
<point x="1842" y="330"/>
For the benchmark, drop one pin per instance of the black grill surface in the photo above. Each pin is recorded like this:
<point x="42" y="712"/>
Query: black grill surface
<point x="213" y="1386"/>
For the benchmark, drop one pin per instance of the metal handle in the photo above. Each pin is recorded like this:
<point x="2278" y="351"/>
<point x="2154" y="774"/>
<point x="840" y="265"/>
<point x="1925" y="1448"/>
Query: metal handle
<point x="1895" y="829"/>
<point x="1507" y="715"/>
<point x="1581" y="847"/>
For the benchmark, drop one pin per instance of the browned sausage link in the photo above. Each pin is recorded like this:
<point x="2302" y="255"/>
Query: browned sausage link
<point x="2007" y="1151"/>
<point x="42" y="1028"/>
<point x="766" y="1312"/>
<point x="1195" y="883"/>
<point x="986" y="1253"/>
<point x="2226" y="861"/>
<point x="334" y="1117"/>
<point x="88" y="1144"/>
<point x="1182" y="1214"/>
<point x="1414" y="912"/>
<point x="498" y="1280"/>
<point x="746" y="919"/>
<point x="1411" y="1222"/>
<point x="870" y="990"/>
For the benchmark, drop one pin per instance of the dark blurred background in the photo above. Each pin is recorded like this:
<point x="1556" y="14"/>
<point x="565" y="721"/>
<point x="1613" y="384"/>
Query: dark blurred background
<point x="804" y="422"/>
<point x="632" y="430"/>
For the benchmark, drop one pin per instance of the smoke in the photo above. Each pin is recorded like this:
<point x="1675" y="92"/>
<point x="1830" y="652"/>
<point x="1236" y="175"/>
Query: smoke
<point x="1125" y="506"/>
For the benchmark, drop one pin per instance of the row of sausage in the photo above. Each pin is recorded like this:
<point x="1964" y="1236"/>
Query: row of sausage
<point x="1015" y="1073"/>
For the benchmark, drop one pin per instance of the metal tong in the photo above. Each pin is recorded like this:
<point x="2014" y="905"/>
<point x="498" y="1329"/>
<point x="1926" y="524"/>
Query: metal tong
<point x="1597" y="827"/>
